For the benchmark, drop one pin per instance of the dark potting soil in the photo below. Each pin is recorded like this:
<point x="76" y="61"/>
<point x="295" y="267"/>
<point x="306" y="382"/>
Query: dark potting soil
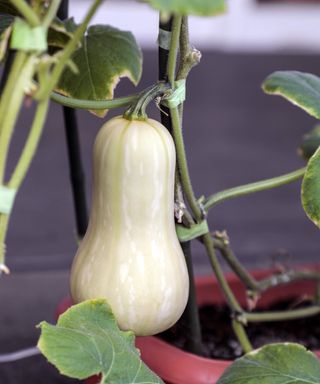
<point x="219" y="340"/>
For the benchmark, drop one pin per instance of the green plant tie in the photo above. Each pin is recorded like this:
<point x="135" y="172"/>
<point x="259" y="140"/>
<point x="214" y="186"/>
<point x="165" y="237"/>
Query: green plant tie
<point x="196" y="230"/>
<point x="7" y="196"/>
<point x="28" y="39"/>
<point x="164" y="39"/>
<point x="177" y="96"/>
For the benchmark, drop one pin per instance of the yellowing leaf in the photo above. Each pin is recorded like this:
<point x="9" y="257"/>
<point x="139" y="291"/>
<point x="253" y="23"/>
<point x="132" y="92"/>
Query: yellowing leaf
<point x="106" y="55"/>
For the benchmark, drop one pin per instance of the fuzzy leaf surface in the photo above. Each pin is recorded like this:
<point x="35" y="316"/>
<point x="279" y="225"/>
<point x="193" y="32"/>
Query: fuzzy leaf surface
<point x="285" y="363"/>
<point x="106" y="55"/>
<point x="301" y="89"/>
<point x="87" y="341"/>
<point x="190" y="7"/>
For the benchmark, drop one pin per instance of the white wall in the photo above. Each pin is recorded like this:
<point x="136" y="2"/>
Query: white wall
<point x="247" y="26"/>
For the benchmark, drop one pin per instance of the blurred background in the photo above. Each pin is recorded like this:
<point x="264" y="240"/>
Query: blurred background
<point x="234" y="133"/>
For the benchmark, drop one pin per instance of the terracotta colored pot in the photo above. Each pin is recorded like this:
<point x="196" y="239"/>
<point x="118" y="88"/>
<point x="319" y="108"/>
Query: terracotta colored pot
<point x="175" y="366"/>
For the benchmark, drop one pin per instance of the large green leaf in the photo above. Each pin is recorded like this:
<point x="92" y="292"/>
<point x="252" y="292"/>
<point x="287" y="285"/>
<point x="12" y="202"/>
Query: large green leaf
<point x="301" y="89"/>
<point x="106" y="55"/>
<point x="285" y="363"/>
<point x="190" y="7"/>
<point x="87" y="341"/>
<point x="310" y="192"/>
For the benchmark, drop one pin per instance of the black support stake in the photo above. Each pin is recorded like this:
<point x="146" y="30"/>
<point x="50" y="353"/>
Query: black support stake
<point x="77" y="176"/>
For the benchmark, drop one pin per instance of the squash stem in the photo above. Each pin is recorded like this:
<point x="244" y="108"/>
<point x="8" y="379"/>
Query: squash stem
<point x="258" y="186"/>
<point x="226" y="252"/>
<point x="239" y="317"/>
<point x="27" y="12"/>
<point x="92" y="104"/>
<point x="174" y="47"/>
<point x="197" y="212"/>
<point x="30" y="146"/>
<point x="291" y="314"/>
<point x="191" y="314"/>
<point x="183" y="165"/>
<point x="11" y="101"/>
<point x="51" y="13"/>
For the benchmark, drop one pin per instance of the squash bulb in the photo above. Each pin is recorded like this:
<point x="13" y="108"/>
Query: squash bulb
<point x="130" y="255"/>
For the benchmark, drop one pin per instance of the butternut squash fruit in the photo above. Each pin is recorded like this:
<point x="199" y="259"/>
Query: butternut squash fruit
<point x="130" y="254"/>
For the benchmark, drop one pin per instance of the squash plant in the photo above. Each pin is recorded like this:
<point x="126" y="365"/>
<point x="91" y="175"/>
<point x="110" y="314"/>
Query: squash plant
<point x="130" y="261"/>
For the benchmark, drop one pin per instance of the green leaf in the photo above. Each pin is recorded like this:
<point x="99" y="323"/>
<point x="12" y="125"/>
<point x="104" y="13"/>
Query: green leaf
<point x="285" y="363"/>
<point x="87" y="341"/>
<point x="310" y="191"/>
<point x="310" y="143"/>
<point x="59" y="34"/>
<point x="301" y="89"/>
<point x="106" y="55"/>
<point x="190" y="7"/>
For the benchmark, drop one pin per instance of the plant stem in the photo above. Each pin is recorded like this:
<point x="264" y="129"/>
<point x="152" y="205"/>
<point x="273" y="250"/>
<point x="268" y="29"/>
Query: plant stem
<point x="15" y="92"/>
<point x="30" y="145"/>
<point x="10" y="84"/>
<point x="238" y="329"/>
<point x="237" y="311"/>
<point x="287" y="277"/>
<point x="191" y="314"/>
<point x="183" y="166"/>
<point x="27" y="12"/>
<point x="174" y="46"/>
<point x="137" y="110"/>
<point x="67" y="52"/>
<point x="189" y="57"/>
<point x="22" y="167"/>
<point x="236" y="266"/>
<point x="233" y="303"/>
<point x="258" y="186"/>
<point x="92" y="104"/>
<point x="283" y="315"/>
<point x="51" y="13"/>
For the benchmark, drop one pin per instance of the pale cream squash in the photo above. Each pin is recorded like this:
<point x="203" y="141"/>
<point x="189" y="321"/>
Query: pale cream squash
<point x="130" y="254"/>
